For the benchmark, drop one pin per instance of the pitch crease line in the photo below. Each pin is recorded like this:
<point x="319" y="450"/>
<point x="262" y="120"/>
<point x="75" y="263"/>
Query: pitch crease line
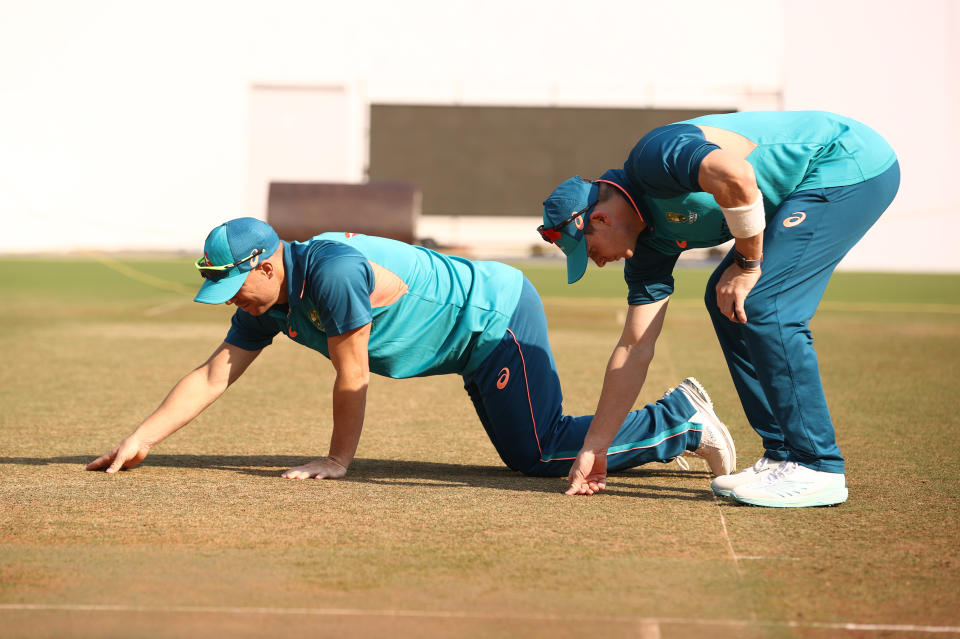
<point x="462" y="614"/>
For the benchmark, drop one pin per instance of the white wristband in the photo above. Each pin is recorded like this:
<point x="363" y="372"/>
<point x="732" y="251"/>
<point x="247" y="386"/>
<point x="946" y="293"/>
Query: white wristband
<point x="746" y="221"/>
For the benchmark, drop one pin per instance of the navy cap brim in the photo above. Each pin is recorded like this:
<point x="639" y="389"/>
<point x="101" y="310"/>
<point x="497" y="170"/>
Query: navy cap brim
<point x="221" y="291"/>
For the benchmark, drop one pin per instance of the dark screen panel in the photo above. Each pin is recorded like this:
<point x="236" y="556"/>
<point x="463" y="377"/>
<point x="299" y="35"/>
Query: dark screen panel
<point x="501" y="160"/>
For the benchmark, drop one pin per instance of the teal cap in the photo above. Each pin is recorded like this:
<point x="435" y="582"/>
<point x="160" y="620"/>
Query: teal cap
<point x="233" y="243"/>
<point x="563" y="227"/>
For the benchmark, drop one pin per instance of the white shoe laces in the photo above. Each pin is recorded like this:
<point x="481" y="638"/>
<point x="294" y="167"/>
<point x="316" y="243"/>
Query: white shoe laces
<point x="781" y="471"/>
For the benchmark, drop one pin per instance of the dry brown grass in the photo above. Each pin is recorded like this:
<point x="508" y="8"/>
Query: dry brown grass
<point x="430" y="535"/>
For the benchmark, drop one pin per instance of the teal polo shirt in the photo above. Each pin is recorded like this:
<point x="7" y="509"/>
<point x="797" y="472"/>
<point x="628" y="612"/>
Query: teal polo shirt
<point x="795" y="151"/>
<point x="430" y="313"/>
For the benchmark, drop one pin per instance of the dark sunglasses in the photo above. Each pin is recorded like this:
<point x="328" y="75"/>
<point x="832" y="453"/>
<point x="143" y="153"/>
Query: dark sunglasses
<point x="551" y="234"/>
<point x="217" y="273"/>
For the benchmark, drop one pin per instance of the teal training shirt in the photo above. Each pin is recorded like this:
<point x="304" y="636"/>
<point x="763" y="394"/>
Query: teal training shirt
<point x="796" y="151"/>
<point x="431" y="314"/>
<point x="803" y="150"/>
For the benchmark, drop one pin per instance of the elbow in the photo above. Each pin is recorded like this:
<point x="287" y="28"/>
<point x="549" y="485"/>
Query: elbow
<point x="213" y="382"/>
<point x="353" y="379"/>
<point x="733" y="184"/>
<point x="638" y="354"/>
<point x="743" y="183"/>
<point x="642" y="354"/>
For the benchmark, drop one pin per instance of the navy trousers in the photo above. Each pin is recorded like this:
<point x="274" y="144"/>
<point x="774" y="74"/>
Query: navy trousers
<point x="516" y="392"/>
<point x="771" y="358"/>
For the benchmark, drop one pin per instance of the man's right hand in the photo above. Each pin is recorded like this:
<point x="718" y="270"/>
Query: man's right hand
<point x="324" y="468"/>
<point x="126" y="454"/>
<point x="588" y="475"/>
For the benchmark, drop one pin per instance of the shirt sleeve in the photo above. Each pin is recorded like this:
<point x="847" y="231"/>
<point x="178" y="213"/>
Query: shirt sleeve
<point x="665" y="163"/>
<point x="251" y="333"/>
<point x="339" y="282"/>
<point x="649" y="275"/>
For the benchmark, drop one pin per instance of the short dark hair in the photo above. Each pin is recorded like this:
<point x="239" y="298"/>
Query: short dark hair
<point x="605" y="192"/>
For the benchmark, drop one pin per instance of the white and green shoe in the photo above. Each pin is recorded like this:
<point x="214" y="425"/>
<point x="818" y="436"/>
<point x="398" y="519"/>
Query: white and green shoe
<point x="724" y="485"/>
<point x="791" y="485"/>
<point x="716" y="444"/>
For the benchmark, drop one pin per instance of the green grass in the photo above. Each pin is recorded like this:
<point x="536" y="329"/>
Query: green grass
<point x="429" y="523"/>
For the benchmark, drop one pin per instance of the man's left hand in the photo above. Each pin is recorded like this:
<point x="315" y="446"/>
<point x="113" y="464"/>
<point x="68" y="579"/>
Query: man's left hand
<point x="732" y="290"/>
<point x="324" y="468"/>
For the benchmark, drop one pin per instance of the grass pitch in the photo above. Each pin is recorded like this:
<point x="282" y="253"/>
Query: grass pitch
<point x="430" y="535"/>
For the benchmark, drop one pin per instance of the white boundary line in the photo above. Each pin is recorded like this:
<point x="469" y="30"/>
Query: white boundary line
<point x="460" y="614"/>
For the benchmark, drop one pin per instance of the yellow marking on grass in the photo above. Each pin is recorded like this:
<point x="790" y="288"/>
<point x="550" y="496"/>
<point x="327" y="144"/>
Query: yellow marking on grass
<point x="140" y="276"/>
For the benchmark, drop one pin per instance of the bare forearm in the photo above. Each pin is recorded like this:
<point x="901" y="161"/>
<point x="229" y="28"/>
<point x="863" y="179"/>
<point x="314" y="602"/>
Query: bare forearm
<point x="625" y="375"/>
<point x="186" y="400"/>
<point x="750" y="247"/>
<point x="349" y="407"/>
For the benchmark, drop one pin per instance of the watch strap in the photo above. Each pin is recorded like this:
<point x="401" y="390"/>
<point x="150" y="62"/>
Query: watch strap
<point x="744" y="263"/>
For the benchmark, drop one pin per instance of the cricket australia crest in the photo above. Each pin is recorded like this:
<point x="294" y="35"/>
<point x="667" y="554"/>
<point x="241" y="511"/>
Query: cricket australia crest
<point x="315" y="318"/>
<point x="681" y="218"/>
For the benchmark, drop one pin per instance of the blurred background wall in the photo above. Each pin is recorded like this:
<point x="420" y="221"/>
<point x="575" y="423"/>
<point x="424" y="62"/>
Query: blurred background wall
<point x="139" y="125"/>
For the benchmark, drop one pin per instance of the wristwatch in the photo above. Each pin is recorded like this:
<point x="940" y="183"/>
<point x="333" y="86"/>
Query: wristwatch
<point x="744" y="263"/>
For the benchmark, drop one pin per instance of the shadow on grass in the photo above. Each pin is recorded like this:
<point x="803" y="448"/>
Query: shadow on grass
<point x="391" y="472"/>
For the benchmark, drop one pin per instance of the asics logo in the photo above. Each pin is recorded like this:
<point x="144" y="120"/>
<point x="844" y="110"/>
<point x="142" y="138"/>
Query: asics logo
<point x="503" y="378"/>
<point x="795" y="219"/>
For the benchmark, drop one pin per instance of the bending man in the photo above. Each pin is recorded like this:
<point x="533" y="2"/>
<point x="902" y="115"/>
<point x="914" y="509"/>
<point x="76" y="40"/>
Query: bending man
<point x="795" y="191"/>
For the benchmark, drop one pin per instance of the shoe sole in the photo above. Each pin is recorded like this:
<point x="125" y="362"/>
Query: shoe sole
<point x="826" y="498"/>
<point x="701" y="399"/>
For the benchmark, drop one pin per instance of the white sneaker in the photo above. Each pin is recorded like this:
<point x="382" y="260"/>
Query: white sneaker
<point x="716" y="444"/>
<point x="723" y="486"/>
<point x="791" y="485"/>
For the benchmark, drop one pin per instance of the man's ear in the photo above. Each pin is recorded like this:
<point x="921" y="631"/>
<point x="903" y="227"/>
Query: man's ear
<point x="599" y="217"/>
<point x="268" y="269"/>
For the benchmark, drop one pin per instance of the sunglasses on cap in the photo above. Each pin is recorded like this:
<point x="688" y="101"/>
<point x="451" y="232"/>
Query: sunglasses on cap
<point x="216" y="273"/>
<point x="551" y="234"/>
